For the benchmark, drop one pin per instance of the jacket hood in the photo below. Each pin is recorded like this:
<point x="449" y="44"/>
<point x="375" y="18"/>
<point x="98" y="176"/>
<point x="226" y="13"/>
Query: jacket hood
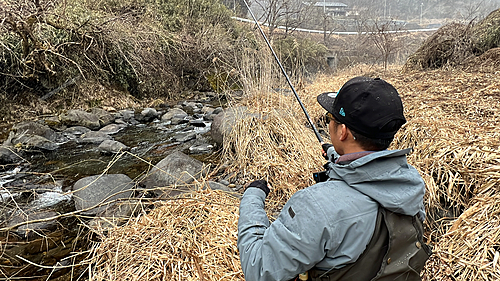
<point x="386" y="177"/>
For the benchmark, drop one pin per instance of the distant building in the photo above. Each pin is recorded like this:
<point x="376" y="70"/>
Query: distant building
<point x="331" y="8"/>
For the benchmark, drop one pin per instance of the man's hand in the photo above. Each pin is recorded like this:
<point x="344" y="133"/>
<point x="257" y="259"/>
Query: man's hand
<point x="261" y="184"/>
<point x="325" y="147"/>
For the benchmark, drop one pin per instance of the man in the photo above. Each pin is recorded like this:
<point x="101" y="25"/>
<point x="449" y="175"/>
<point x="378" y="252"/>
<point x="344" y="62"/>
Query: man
<point x="339" y="229"/>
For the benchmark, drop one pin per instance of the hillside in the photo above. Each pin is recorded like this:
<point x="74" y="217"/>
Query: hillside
<point x="59" y="54"/>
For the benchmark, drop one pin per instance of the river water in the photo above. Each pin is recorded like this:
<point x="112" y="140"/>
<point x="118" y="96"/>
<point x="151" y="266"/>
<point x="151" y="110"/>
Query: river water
<point x="149" y="143"/>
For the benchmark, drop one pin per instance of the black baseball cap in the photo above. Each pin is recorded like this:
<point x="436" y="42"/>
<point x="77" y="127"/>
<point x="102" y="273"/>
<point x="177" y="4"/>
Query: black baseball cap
<point x="369" y="106"/>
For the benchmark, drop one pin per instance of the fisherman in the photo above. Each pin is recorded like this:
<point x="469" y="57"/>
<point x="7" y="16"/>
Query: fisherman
<point x="339" y="229"/>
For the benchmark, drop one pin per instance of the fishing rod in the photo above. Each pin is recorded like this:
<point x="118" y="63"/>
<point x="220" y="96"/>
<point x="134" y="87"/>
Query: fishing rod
<point x="318" y="136"/>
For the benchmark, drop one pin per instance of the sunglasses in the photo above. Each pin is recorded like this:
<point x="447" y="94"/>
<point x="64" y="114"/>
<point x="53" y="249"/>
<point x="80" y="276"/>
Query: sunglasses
<point x="329" y="118"/>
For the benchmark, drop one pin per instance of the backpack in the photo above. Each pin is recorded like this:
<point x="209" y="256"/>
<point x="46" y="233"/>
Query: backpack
<point x="395" y="252"/>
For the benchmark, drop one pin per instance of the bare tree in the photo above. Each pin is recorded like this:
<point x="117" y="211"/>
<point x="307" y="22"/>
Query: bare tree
<point x="473" y="10"/>
<point x="297" y="14"/>
<point x="386" y="38"/>
<point x="237" y="6"/>
<point x="288" y="13"/>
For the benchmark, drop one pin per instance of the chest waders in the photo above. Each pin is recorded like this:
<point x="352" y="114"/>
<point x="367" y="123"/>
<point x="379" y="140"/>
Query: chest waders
<point x="396" y="252"/>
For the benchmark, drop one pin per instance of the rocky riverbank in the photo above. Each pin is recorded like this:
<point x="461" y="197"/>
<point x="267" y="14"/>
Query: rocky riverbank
<point x="52" y="192"/>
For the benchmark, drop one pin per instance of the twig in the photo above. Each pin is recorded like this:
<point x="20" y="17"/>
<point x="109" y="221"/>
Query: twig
<point x="44" y="266"/>
<point x="68" y="82"/>
<point x="70" y="60"/>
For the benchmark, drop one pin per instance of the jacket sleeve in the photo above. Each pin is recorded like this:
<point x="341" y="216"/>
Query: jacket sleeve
<point x="332" y="154"/>
<point x="292" y="244"/>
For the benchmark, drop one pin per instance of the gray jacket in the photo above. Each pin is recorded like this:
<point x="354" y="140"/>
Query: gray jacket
<point x="329" y="224"/>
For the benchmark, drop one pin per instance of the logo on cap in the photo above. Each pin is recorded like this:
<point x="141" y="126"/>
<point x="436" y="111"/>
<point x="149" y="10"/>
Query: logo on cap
<point x="342" y="112"/>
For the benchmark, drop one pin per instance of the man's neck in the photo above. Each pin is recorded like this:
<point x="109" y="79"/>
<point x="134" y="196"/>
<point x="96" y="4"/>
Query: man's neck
<point x="351" y="147"/>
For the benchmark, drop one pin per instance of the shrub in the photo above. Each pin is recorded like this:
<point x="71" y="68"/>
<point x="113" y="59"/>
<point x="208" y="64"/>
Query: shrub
<point x="301" y="55"/>
<point x="145" y="47"/>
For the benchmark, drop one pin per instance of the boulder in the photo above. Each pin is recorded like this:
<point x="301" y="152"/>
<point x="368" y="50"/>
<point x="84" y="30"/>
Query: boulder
<point x="105" y="117"/>
<point x="207" y="110"/>
<point x="127" y="115"/>
<point x="116" y="214"/>
<point x="94" y="137"/>
<point x="41" y="222"/>
<point x="42" y="205"/>
<point x="224" y="182"/>
<point x="77" y="130"/>
<point x="218" y="110"/>
<point x="203" y="148"/>
<point x="112" y="147"/>
<point x="120" y="121"/>
<point x="81" y="118"/>
<point x="174" y="112"/>
<point x="147" y="115"/>
<point x="209" y="117"/>
<point x="177" y="169"/>
<point x="112" y="128"/>
<point x="198" y="116"/>
<point x="185" y="136"/>
<point x="34" y="128"/>
<point x="50" y="200"/>
<point x="53" y="122"/>
<point x="191" y="106"/>
<point x="35" y="142"/>
<point x="101" y="189"/>
<point x="219" y="186"/>
<point x="8" y="156"/>
<point x="179" y="120"/>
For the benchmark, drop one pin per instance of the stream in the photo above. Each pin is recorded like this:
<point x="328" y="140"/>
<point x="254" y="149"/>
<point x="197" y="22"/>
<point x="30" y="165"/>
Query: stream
<point x="45" y="176"/>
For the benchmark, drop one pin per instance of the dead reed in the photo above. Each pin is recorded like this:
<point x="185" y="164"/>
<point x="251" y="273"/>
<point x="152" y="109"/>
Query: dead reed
<point x="460" y="45"/>
<point x="451" y="45"/>
<point x="453" y="126"/>
<point x="453" y="119"/>
<point x="190" y="238"/>
<point x="469" y="250"/>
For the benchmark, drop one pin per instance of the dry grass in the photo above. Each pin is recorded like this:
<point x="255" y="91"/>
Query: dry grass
<point x="469" y="250"/>
<point x="452" y="126"/>
<point x="488" y="32"/>
<point x="489" y="61"/>
<point x="190" y="238"/>
<point x="460" y="45"/>
<point x="450" y="46"/>
<point x="143" y="48"/>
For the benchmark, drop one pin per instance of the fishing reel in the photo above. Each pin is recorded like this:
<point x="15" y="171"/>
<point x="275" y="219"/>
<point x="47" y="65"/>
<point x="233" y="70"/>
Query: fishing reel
<point x="321" y="176"/>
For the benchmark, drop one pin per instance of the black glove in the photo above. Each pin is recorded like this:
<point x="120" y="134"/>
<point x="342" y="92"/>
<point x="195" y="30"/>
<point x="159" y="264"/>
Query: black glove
<point x="262" y="184"/>
<point x="325" y="147"/>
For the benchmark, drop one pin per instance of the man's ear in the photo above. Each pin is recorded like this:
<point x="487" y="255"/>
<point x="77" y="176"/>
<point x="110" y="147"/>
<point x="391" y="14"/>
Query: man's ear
<point x="344" y="132"/>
